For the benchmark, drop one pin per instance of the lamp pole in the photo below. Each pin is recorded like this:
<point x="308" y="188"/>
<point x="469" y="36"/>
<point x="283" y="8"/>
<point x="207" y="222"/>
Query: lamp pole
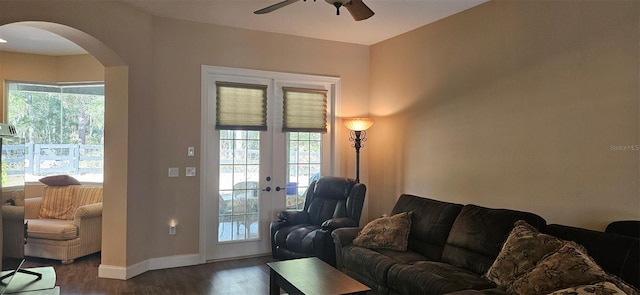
<point x="357" y="144"/>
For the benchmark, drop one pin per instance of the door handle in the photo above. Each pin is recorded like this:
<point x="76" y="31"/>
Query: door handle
<point x="278" y="188"/>
<point x="268" y="189"/>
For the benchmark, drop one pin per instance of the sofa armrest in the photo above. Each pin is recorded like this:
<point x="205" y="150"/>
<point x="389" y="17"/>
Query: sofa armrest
<point x="340" y="222"/>
<point x="292" y="217"/>
<point x="32" y="207"/>
<point x="343" y="237"/>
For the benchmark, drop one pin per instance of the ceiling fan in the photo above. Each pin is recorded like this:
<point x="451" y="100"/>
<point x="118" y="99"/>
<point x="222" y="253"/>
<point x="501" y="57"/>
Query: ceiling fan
<point x="357" y="8"/>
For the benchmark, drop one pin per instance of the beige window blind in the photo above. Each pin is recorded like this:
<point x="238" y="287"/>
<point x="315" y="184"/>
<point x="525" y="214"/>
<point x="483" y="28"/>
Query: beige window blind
<point x="241" y="106"/>
<point x="305" y="110"/>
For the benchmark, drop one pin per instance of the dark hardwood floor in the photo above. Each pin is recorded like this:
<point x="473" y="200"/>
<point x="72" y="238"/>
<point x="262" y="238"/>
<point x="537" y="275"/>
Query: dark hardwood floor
<point x="243" y="276"/>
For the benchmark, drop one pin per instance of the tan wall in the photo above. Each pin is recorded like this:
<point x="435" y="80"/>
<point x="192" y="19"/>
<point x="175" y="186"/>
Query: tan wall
<point x="177" y="107"/>
<point x="163" y="60"/>
<point x="513" y="104"/>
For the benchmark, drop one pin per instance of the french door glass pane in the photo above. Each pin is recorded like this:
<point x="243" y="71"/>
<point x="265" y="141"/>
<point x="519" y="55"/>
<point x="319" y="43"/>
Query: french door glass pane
<point x="239" y="194"/>
<point x="304" y="150"/>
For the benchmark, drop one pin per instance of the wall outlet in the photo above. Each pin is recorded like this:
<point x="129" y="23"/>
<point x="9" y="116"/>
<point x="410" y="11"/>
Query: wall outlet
<point x="190" y="171"/>
<point x="174" y="172"/>
<point x="172" y="230"/>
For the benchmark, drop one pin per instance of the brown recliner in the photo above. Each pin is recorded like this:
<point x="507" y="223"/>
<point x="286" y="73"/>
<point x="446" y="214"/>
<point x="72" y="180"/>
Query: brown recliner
<point x="331" y="202"/>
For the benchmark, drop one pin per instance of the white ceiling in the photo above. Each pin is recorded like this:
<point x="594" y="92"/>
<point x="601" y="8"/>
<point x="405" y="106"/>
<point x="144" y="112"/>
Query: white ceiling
<point x="314" y="19"/>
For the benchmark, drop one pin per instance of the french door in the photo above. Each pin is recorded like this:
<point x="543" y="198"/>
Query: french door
<point x="250" y="175"/>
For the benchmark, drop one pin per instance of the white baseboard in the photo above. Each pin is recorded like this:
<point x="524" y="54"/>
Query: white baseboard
<point x="124" y="273"/>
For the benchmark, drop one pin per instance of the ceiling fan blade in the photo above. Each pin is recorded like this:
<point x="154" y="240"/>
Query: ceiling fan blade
<point x="275" y="6"/>
<point x="359" y="10"/>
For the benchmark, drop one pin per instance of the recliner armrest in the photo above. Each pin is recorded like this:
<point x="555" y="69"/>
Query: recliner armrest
<point x="340" y="222"/>
<point x="291" y="217"/>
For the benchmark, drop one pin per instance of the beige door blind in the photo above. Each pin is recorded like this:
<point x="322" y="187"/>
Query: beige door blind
<point x="241" y="106"/>
<point x="305" y="110"/>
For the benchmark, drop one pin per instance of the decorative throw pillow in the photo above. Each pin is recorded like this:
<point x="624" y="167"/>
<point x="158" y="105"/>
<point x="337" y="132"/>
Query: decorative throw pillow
<point x="57" y="202"/>
<point x="602" y="288"/>
<point x="59" y="180"/>
<point x="386" y="233"/>
<point x="567" y="267"/>
<point x="524" y="247"/>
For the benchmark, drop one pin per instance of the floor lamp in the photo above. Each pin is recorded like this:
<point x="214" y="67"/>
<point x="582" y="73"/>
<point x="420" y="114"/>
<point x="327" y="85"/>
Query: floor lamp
<point x="358" y="135"/>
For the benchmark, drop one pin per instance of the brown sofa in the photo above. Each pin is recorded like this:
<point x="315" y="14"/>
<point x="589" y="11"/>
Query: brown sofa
<point x="452" y="246"/>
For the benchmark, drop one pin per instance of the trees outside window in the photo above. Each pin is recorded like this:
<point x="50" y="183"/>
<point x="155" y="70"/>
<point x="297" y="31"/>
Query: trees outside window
<point x="63" y="127"/>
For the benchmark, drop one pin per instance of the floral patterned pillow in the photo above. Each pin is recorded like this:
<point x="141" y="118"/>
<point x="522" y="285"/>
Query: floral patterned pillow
<point x="524" y="247"/>
<point x="567" y="267"/>
<point x="386" y="233"/>
<point x="602" y="288"/>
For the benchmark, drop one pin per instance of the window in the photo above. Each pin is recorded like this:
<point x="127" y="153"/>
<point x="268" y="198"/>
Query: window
<point x="63" y="128"/>
<point x="304" y="162"/>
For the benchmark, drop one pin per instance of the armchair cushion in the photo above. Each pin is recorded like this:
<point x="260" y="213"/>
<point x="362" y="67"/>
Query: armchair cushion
<point x="85" y="195"/>
<point x="57" y="202"/>
<point x="386" y="233"/>
<point x="52" y="229"/>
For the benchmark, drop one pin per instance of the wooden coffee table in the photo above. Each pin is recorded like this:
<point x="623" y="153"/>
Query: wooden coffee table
<point x="311" y="276"/>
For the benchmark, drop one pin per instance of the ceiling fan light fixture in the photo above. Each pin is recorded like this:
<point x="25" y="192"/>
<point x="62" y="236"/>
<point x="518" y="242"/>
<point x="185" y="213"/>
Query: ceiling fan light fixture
<point x="358" y="10"/>
<point x="338" y="4"/>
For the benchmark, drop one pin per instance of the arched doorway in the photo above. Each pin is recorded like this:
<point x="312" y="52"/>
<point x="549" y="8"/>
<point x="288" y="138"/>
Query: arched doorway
<point x="116" y="75"/>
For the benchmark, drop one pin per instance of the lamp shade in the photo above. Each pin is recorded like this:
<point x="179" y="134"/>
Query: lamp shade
<point x="358" y="124"/>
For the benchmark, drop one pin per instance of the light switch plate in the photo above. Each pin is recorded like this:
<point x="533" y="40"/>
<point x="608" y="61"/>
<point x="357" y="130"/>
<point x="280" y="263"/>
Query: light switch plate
<point x="190" y="171"/>
<point x="191" y="151"/>
<point x="174" y="172"/>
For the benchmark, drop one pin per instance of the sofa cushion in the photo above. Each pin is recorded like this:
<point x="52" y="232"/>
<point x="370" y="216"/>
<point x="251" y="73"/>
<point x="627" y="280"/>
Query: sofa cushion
<point x="373" y="265"/>
<point x="57" y="202"/>
<point x="386" y="233"/>
<point x="59" y="180"/>
<point x="568" y="266"/>
<point x="478" y="233"/>
<point x="432" y="277"/>
<point x="431" y="222"/>
<point x="524" y="247"/>
<point x="51" y="229"/>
